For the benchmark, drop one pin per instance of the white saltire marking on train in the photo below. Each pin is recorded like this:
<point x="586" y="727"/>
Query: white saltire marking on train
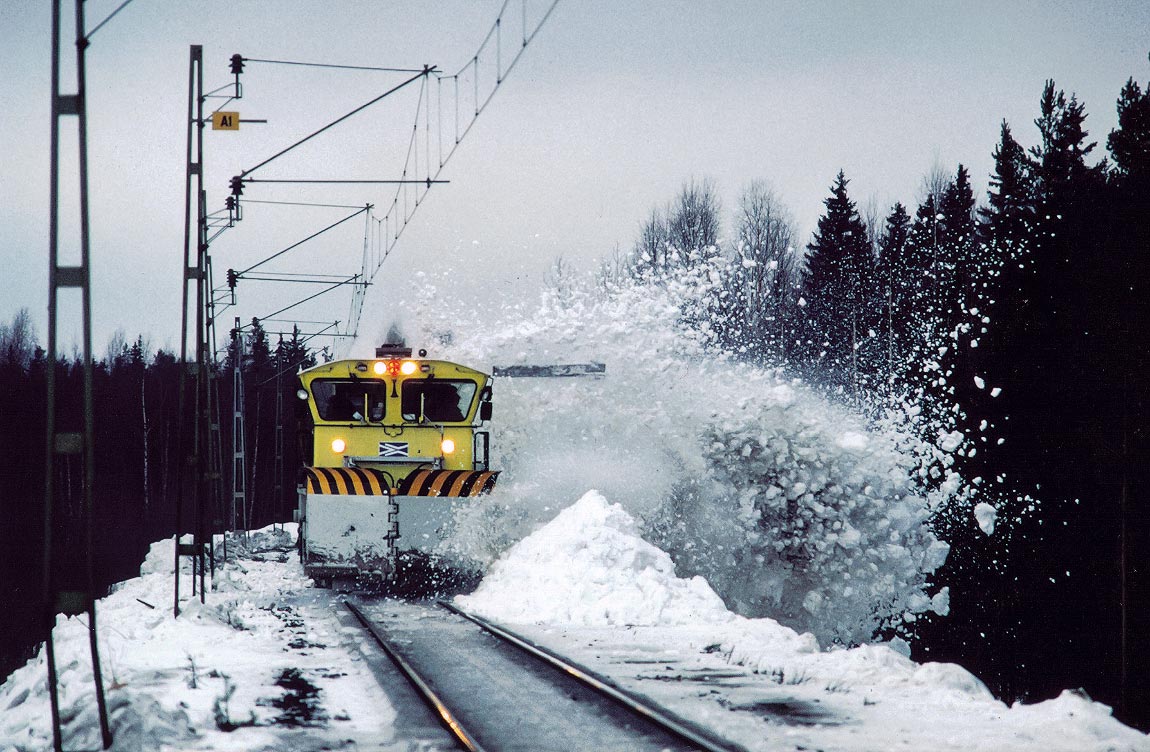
<point x="393" y="449"/>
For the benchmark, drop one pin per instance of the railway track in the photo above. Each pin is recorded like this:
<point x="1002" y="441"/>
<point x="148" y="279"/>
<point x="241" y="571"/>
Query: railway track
<point x="494" y="690"/>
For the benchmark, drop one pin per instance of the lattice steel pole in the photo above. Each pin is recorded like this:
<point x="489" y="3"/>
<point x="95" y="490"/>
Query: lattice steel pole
<point x="76" y="597"/>
<point x="239" y="439"/>
<point x="194" y="274"/>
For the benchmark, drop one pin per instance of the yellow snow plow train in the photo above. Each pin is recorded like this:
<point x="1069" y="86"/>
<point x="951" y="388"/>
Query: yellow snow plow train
<point x="396" y="442"/>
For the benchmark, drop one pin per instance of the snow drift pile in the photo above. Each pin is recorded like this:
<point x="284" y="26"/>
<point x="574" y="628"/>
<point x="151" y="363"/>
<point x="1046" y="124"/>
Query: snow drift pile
<point x="575" y="581"/>
<point x="589" y="566"/>
<point x="788" y="505"/>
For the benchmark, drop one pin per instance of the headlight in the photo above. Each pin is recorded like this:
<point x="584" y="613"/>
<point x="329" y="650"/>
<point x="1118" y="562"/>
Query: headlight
<point x="338" y="445"/>
<point x="408" y="367"/>
<point x="448" y="446"/>
<point x="379" y="367"/>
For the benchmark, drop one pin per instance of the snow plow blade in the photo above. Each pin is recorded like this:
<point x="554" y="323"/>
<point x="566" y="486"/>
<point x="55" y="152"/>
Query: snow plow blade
<point x="454" y="483"/>
<point x="353" y="526"/>
<point x="347" y="525"/>
<point x="550" y="371"/>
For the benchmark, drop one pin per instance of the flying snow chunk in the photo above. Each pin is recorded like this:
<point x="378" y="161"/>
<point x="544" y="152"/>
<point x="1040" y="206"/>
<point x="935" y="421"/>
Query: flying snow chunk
<point x="950" y="441"/>
<point x="940" y="603"/>
<point x="995" y="391"/>
<point x="986" y="515"/>
<point x="978" y="382"/>
<point x="589" y="566"/>
<point x="852" y="440"/>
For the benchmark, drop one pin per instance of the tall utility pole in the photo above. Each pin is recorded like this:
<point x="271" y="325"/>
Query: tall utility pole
<point x="279" y="443"/>
<point x="239" y="439"/>
<point x="73" y="591"/>
<point x="196" y="463"/>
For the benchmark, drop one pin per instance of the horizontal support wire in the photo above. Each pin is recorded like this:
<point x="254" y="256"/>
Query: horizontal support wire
<point x="300" y="203"/>
<point x="332" y="65"/>
<point x="305" y="281"/>
<point x="419" y="181"/>
<point x="328" y="277"/>
<point x="327" y="324"/>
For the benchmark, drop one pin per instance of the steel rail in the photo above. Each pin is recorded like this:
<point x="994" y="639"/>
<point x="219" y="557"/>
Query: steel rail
<point x="445" y="715"/>
<point x="674" y="726"/>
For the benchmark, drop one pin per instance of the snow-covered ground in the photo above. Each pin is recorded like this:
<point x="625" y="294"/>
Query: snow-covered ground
<point x="262" y="665"/>
<point x="265" y="664"/>
<point x="589" y="587"/>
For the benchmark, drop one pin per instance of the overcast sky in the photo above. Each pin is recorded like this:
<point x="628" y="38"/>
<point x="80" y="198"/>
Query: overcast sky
<point x="612" y="108"/>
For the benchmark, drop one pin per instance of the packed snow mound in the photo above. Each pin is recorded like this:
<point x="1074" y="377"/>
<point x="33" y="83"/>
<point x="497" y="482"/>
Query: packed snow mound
<point x="791" y="506"/>
<point x="589" y="566"/>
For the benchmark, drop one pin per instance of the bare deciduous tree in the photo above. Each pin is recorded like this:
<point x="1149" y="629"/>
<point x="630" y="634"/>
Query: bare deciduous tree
<point x="693" y="221"/>
<point x="17" y="340"/>
<point x="651" y="249"/>
<point x="614" y="270"/>
<point x="561" y="279"/>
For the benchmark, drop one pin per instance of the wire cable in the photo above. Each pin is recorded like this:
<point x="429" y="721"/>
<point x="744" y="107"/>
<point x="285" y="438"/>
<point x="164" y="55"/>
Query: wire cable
<point x="422" y="74"/>
<point x="301" y="242"/>
<point x="112" y="15"/>
<point x="330" y="65"/>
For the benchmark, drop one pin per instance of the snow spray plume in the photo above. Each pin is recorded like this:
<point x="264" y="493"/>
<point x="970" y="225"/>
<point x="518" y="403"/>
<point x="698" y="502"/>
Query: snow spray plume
<point x="786" y="503"/>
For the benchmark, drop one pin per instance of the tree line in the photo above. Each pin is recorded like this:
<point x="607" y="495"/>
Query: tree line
<point x="1017" y="323"/>
<point x="137" y="456"/>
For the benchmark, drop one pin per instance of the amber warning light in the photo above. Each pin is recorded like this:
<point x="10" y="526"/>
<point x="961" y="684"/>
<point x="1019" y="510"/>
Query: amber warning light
<point x="395" y="367"/>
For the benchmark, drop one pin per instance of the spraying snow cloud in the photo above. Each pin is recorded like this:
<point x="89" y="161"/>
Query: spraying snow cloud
<point x="790" y="506"/>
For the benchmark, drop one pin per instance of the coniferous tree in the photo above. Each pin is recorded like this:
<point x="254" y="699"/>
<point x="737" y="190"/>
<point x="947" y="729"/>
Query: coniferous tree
<point x="895" y="286"/>
<point x="838" y="285"/>
<point x="1007" y="218"/>
<point x="1129" y="143"/>
<point x="957" y="248"/>
<point x="1124" y="275"/>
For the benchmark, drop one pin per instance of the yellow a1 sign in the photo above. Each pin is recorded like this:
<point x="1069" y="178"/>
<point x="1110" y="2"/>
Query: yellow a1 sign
<point x="225" y="121"/>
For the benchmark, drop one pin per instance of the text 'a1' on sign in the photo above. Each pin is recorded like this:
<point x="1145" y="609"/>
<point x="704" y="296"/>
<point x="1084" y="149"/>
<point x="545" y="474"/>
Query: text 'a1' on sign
<point x="225" y="121"/>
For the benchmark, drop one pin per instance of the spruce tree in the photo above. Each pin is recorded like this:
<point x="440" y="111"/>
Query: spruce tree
<point x="894" y="285"/>
<point x="839" y="287"/>
<point x="956" y="262"/>
<point x="1007" y="218"/>
<point x="1130" y="142"/>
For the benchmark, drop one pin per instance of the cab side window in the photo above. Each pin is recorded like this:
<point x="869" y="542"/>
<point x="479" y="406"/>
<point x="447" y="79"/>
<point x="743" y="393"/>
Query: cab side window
<point x="344" y="400"/>
<point x="438" y="400"/>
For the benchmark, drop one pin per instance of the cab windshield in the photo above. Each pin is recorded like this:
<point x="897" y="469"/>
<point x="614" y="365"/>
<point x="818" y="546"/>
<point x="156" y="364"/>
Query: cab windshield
<point x="437" y="400"/>
<point x="345" y="400"/>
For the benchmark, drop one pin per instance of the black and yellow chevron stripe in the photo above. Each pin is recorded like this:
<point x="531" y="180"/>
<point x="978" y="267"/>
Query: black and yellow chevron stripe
<point x="447" y="483"/>
<point x="354" y="481"/>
